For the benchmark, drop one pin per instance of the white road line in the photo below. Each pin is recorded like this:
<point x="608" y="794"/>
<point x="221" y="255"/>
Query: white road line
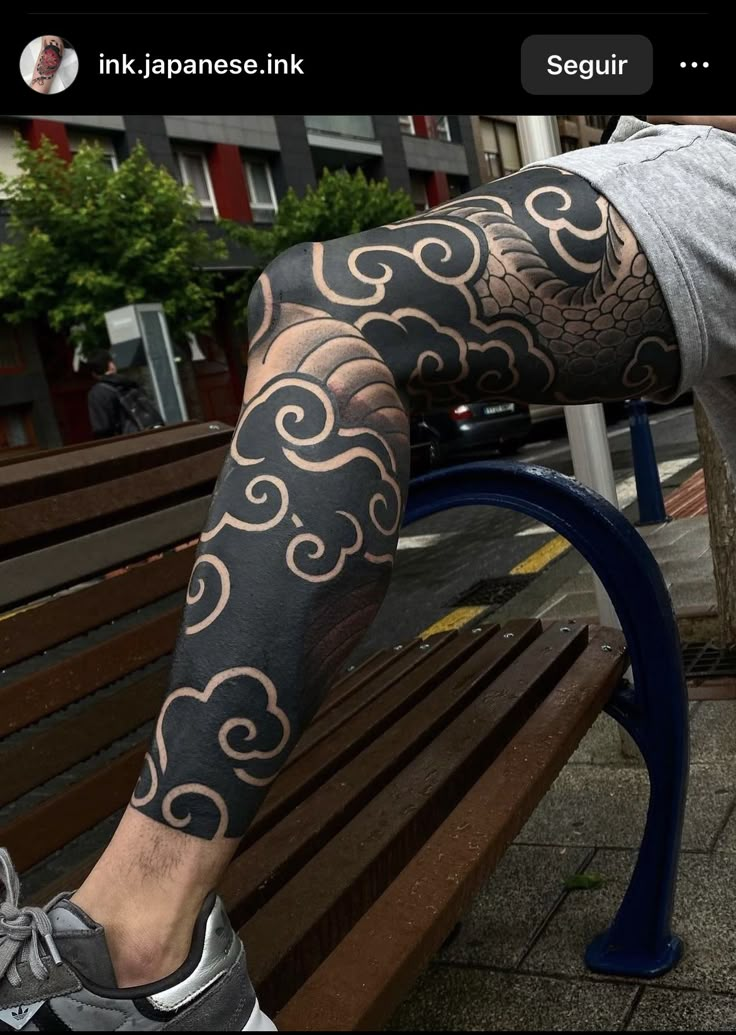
<point x="420" y="542"/>
<point x="625" y="491"/>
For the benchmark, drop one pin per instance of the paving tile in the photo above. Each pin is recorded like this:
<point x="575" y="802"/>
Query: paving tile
<point x="663" y="535"/>
<point x="604" y="744"/>
<point x="606" y="806"/>
<point x="507" y="912"/>
<point x="705" y="918"/>
<point x="660" y="1009"/>
<point x="713" y="732"/>
<point x="694" y="592"/>
<point x="466" y="999"/>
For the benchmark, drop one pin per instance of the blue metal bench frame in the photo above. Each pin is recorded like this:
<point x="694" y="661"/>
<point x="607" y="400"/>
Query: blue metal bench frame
<point x="654" y="711"/>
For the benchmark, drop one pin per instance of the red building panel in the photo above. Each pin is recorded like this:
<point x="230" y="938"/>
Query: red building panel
<point x="228" y="182"/>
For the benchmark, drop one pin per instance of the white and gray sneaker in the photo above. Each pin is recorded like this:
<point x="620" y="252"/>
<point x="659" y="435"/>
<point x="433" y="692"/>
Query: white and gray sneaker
<point x="56" y="974"/>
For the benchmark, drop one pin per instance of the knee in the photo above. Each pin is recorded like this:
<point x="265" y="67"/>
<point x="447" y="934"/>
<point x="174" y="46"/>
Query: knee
<point x="286" y="281"/>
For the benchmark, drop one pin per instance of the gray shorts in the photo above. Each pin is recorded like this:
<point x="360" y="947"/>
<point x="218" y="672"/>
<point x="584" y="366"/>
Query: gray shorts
<point x="676" y="188"/>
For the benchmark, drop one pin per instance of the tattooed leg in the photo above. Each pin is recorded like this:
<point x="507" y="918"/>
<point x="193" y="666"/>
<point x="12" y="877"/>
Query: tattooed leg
<point x="531" y="289"/>
<point x="52" y="52"/>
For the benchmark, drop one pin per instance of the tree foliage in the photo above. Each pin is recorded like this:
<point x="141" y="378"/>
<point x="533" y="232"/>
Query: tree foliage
<point x="83" y="239"/>
<point x="342" y="203"/>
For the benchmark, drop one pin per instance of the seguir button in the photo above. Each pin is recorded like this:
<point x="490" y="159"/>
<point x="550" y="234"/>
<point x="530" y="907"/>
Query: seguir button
<point x="569" y="65"/>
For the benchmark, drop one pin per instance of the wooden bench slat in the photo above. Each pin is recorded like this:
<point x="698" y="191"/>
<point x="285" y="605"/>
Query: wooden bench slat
<point x="28" y="699"/>
<point x="285" y="847"/>
<point x="37" y="833"/>
<point x="368" y="731"/>
<point x="61" y="619"/>
<point x="63" y="512"/>
<point x="366" y="671"/>
<point x="293" y="932"/>
<point x="23" y="578"/>
<point x="259" y="872"/>
<point x="350" y="683"/>
<point x="37" y="478"/>
<point x="361" y="983"/>
<point x="406" y="662"/>
<point x="47" y="754"/>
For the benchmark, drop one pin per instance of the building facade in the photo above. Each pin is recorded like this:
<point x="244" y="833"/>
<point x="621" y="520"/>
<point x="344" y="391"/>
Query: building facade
<point x="239" y="167"/>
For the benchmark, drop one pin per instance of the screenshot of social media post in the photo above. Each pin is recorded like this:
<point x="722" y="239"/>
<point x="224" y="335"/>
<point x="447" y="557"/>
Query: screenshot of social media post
<point x="367" y="522"/>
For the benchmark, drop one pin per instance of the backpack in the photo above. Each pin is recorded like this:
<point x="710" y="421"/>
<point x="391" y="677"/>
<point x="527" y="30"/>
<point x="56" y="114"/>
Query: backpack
<point x="139" y="412"/>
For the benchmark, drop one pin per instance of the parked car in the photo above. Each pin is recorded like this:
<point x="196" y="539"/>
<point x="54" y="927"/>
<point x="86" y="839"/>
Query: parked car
<point x="425" y="446"/>
<point x="478" y="428"/>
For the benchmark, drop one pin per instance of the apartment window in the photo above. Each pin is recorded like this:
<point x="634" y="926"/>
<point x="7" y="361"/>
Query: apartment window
<point x="8" y="164"/>
<point x="500" y="147"/>
<point x="341" y="125"/>
<point x="14" y="427"/>
<point x="263" y="201"/>
<point x="10" y="357"/>
<point x="442" y="127"/>
<point x="105" y="144"/>
<point x="406" y="122"/>
<point x="196" y="174"/>
<point x="419" y="192"/>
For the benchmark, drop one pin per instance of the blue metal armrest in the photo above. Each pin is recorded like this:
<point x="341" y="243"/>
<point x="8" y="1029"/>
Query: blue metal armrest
<point x="654" y="710"/>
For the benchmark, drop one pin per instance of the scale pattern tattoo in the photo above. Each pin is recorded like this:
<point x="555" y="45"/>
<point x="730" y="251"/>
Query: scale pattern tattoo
<point x="532" y="288"/>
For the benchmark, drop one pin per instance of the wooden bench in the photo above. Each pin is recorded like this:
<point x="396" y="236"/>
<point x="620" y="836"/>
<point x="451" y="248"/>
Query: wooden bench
<point x="417" y="772"/>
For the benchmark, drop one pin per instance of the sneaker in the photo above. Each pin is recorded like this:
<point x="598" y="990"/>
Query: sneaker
<point x="56" y="974"/>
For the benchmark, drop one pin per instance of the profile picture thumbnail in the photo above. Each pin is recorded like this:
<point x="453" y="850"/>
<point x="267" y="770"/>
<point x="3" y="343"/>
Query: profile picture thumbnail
<point x="49" y="64"/>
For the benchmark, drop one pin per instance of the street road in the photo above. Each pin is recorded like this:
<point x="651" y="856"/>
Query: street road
<point x="442" y="557"/>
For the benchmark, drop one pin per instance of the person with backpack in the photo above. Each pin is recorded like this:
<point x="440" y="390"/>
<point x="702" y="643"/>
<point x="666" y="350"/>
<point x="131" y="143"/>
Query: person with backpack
<point x="117" y="404"/>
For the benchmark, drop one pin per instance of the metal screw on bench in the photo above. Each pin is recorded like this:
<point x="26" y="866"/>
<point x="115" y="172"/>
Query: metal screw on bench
<point x="606" y="646"/>
<point x="508" y="636"/>
<point x="214" y="427"/>
<point x="564" y="628"/>
<point x="399" y="646"/>
<point x="423" y="646"/>
<point x="351" y="668"/>
<point x="478" y="629"/>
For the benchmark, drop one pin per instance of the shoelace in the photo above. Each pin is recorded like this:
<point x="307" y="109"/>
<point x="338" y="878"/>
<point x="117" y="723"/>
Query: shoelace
<point x="22" y="930"/>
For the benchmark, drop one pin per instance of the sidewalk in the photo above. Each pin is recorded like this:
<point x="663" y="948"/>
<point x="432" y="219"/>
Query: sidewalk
<point x="516" y="961"/>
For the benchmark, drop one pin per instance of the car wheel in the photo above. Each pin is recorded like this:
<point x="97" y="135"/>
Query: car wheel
<point x="510" y="447"/>
<point x="436" y="456"/>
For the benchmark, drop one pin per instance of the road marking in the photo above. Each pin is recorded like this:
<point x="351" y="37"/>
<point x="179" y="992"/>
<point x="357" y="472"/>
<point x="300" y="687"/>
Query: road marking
<point x="419" y="542"/>
<point x="541" y="557"/>
<point x="454" y="620"/>
<point x="625" y="491"/>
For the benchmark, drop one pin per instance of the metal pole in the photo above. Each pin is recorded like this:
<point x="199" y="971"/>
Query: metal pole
<point x="646" y="472"/>
<point x="539" y="138"/>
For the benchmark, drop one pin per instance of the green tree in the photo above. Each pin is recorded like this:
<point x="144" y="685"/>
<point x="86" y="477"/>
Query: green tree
<point x="83" y="239"/>
<point x="342" y="203"/>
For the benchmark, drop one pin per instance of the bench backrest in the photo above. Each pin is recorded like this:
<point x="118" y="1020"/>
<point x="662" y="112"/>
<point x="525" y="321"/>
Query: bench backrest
<point x="71" y="519"/>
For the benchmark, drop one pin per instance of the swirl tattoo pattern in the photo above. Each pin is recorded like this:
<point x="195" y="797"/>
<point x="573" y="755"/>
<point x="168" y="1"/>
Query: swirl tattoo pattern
<point x="531" y="289"/>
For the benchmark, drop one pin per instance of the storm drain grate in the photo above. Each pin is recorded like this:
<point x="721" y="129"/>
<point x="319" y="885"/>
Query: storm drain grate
<point x="705" y="659"/>
<point x="492" y="592"/>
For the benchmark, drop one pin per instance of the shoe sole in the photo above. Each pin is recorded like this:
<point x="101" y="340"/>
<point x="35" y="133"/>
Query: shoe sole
<point x="258" y="1021"/>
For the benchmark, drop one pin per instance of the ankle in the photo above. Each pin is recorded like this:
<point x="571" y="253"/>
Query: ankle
<point x="144" y="943"/>
<point x="148" y="937"/>
<point x="146" y="890"/>
<point x="138" y="960"/>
